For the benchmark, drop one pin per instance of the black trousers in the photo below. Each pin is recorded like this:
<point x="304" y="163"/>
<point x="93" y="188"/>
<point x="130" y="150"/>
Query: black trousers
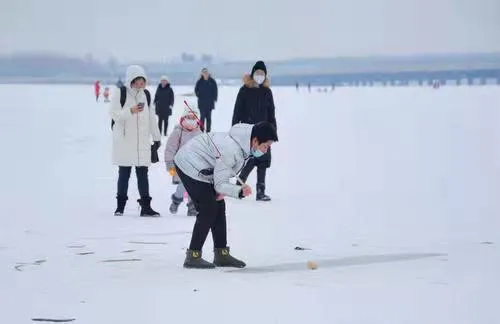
<point x="206" y="119"/>
<point x="262" y="163"/>
<point x="142" y="180"/>
<point x="163" y="120"/>
<point x="211" y="213"/>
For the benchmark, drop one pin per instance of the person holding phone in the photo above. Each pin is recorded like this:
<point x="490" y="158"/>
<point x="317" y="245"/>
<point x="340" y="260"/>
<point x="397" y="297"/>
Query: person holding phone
<point x="135" y="126"/>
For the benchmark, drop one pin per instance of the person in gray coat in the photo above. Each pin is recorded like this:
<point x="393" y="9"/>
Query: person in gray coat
<point x="205" y="166"/>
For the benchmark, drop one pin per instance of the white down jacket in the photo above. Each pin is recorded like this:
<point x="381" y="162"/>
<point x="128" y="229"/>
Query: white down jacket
<point x="132" y="133"/>
<point x="198" y="158"/>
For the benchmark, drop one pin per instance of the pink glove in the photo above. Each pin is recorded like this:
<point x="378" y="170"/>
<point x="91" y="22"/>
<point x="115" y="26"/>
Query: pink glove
<point x="219" y="197"/>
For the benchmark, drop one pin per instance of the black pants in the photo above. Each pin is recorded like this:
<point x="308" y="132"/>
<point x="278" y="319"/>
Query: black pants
<point x="262" y="163"/>
<point x="211" y="213"/>
<point x="247" y="169"/>
<point x="163" y="120"/>
<point x="206" y="119"/>
<point x="142" y="180"/>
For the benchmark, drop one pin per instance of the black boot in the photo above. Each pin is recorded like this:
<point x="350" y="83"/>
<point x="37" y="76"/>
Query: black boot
<point x="175" y="204"/>
<point x="191" y="209"/>
<point x="222" y="258"/>
<point x="261" y="193"/>
<point x="121" y="201"/>
<point x="146" y="210"/>
<point x="195" y="261"/>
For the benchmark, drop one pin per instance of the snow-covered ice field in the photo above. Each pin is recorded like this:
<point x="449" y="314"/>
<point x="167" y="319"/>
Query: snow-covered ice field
<point x="395" y="191"/>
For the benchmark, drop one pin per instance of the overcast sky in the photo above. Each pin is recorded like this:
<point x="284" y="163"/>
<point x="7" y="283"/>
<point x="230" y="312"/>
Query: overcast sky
<point x="251" y="29"/>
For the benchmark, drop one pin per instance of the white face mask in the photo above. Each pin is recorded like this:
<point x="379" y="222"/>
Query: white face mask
<point x="190" y="122"/>
<point x="259" y="78"/>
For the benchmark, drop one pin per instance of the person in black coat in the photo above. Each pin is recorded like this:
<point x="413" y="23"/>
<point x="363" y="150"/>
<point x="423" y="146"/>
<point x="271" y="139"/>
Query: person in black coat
<point x="164" y="101"/>
<point x="206" y="91"/>
<point x="254" y="104"/>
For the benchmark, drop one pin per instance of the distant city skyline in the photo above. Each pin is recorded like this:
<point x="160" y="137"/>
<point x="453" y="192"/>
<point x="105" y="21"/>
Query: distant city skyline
<point x="155" y="30"/>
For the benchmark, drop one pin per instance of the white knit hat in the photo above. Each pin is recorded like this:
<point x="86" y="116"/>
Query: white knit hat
<point x="163" y="77"/>
<point x="194" y="109"/>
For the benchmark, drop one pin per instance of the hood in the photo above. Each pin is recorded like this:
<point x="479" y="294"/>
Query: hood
<point x="241" y="134"/>
<point x="250" y="83"/>
<point x="134" y="71"/>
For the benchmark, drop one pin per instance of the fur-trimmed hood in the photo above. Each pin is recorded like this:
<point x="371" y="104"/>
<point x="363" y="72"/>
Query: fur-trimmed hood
<point x="249" y="82"/>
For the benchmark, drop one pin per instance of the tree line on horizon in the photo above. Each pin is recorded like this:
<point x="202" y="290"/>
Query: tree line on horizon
<point x="59" y="65"/>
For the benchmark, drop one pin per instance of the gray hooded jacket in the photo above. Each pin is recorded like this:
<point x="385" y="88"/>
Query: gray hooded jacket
<point x="199" y="160"/>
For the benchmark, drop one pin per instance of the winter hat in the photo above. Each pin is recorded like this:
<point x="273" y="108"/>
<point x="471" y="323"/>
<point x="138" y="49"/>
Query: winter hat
<point x="259" y="66"/>
<point x="163" y="77"/>
<point x="194" y="109"/>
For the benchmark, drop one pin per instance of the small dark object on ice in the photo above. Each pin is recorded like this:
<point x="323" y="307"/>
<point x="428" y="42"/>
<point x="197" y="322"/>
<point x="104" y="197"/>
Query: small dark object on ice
<point x="75" y="246"/>
<point x="85" y="253"/>
<point x="299" y="248"/>
<point x="127" y="251"/>
<point x="52" y="320"/>
<point x="121" y="260"/>
<point x="20" y="265"/>
<point x="487" y="242"/>
<point x="194" y="289"/>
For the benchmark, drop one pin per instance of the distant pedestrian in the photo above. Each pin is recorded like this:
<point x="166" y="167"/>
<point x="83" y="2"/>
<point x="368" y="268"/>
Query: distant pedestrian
<point x="97" y="90"/>
<point x="206" y="90"/>
<point x="164" y="101"/>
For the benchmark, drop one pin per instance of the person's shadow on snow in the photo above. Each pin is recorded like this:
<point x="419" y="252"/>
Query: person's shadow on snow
<point x="342" y="262"/>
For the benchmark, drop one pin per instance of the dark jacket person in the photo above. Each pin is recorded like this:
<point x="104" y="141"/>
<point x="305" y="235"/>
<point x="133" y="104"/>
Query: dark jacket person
<point x="164" y="101"/>
<point x="206" y="91"/>
<point x="254" y="104"/>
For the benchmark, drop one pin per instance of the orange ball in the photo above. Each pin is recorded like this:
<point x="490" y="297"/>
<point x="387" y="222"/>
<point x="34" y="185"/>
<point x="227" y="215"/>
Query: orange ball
<point x="312" y="265"/>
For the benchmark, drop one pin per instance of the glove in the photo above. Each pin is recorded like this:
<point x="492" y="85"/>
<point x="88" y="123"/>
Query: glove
<point x="172" y="171"/>
<point x="219" y="197"/>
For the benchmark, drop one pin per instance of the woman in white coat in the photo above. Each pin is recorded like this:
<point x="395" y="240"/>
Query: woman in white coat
<point x="135" y="125"/>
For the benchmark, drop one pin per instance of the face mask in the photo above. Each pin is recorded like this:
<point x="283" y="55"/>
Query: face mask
<point x="190" y="123"/>
<point x="257" y="153"/>
<point x="259" y="78"/>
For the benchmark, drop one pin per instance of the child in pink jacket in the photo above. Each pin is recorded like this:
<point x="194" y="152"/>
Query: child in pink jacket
<point x="187" y="128"/>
